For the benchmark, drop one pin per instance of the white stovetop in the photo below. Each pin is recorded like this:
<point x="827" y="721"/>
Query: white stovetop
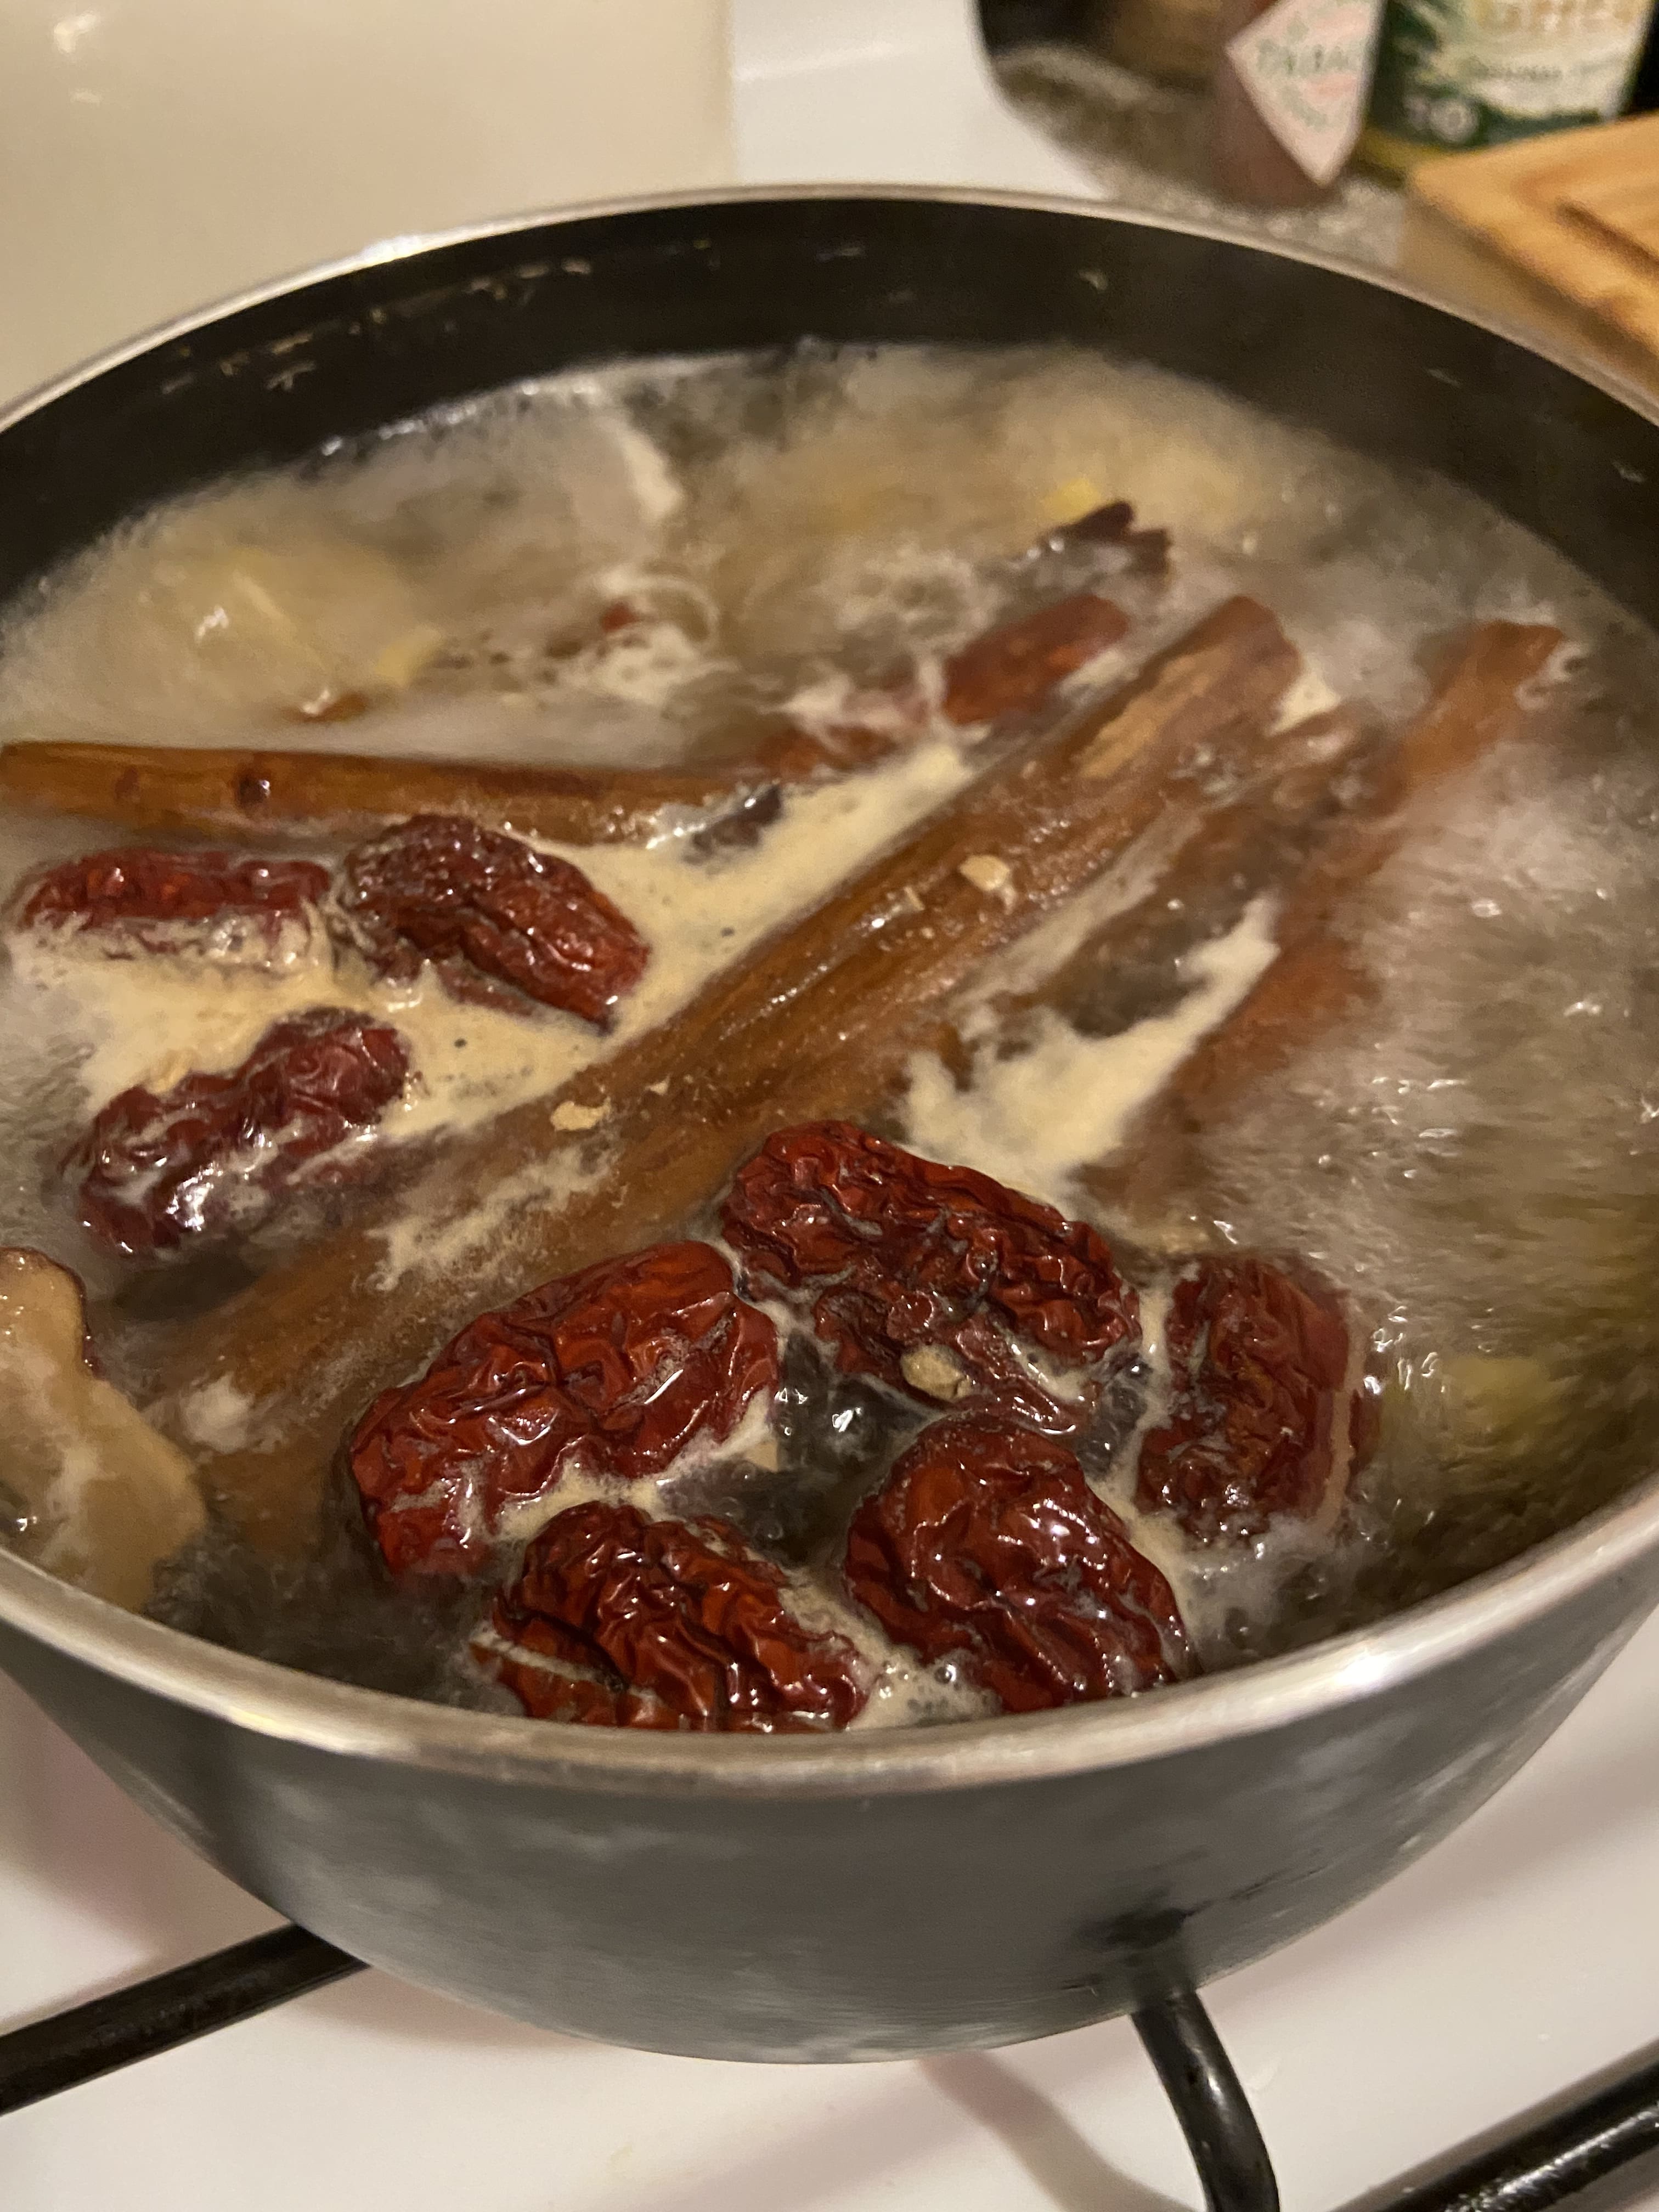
<point x="1519" y="1957"/>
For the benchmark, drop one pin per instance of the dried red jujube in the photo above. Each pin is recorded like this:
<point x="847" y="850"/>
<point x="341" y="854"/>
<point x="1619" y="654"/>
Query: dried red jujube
<point x="936" y="1279"/>
<point x="988" y="1546"/>
<point x="481" y="905"/>
<point x="617" y="1368"/>
<point x="213" y="1152"/>
<point x="673" y="1624"/>
<point x="1260" y="1422"/>
<point x="139" y="900"/>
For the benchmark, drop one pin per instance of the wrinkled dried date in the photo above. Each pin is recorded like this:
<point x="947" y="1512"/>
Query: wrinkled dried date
<point x="139" y="900"/>
<point x="987" y="1544"/>
<point x="675" y="1624"/>
<point x="617" y="1368"/>
<point x="1259" y="1362"/>
<point x="482" y="904"/>
<point x="212" y="1153"/>
<point x="936" y="1279"/>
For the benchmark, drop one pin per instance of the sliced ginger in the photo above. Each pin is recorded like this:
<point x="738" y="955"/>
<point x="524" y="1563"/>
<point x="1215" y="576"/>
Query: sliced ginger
<point x="96" y="1496"/>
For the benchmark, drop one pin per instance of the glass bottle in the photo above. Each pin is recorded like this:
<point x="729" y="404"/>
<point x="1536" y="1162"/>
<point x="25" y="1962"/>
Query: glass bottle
<point x="1454" y="75"/>
<point x="1290" y="81"/>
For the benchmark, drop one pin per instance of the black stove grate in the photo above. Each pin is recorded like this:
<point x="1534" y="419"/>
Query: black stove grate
<point x="167" y="2009"/>
<point x="1590" y="2139"/>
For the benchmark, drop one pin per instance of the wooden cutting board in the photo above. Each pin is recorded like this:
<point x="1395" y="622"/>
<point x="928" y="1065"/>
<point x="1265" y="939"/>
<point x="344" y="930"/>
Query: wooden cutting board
<point x="1560" y="233"/>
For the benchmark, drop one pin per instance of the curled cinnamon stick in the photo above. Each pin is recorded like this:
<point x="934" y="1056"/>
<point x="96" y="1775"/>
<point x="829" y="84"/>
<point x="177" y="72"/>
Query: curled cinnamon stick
<point x="1012" y="668"/>
<point x="246" y="796"/>
<point x="816" y="1020"/>
<point x="1317" y="977"/>
<point x="251" y="796"/>
<point x="1231" y="853"/>
<point x="1220" y="855"/>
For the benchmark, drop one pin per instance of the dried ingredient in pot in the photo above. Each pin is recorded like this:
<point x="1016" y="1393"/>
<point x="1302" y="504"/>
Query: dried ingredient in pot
<point x="1259" y="1423"/>
<point x="1112" y="523"/>
<point x="330" y="705"/>
<point x="1013" y="668"/>
<point x="213" y="1153"/>
<point x="487" y="910"/>
<point x="755" y="1033"/>
<point x="139" y="900"/>
<point x="88" y="1489"/>
<point x="986" y="1545"/>
<point x="669" y="1624"/>
<point x="617" y="1368"/>
<point x="943" y="1283"/>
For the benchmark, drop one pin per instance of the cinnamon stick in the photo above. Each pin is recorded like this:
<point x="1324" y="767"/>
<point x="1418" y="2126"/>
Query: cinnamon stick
<point x="1243" y="848"/>
<point x="815" y="1020"/>
<point x="243" y="796"/>
<point x="1317" y="978"/>
<point x="1208" y="854"/>
<point x="1012" y="668"/>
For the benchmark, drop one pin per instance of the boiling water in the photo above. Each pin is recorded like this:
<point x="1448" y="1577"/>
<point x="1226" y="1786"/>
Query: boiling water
<point x="1474" y="1157"/>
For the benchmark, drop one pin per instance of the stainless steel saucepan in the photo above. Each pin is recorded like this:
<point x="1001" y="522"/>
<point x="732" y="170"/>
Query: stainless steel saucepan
<point x="863" y="1896"/>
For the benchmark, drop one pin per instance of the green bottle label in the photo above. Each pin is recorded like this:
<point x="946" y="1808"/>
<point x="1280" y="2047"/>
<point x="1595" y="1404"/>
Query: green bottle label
<point x="1457" y="74"/>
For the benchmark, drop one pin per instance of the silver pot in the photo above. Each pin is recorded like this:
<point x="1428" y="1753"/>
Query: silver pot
<point x="865" y="1896"/>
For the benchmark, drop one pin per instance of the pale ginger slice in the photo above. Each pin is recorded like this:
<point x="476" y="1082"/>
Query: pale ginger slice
<point x="289" y="613"/>
<point x="88" y="1489"/>
<point x="1476" y="1411"/>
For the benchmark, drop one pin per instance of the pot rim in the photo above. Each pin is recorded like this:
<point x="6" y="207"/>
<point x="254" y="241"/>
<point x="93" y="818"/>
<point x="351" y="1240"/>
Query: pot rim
<point x="282" y="1703"/>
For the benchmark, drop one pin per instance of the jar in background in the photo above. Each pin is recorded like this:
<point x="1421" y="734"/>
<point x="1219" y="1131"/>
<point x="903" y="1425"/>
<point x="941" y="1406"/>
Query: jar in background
<point x="1008" y="23"/>
<point x="1454" y="75"/>
<point x="1644" y="86"/>
<point x="1173" y="40"/>
<point x="1291" y="78"/>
